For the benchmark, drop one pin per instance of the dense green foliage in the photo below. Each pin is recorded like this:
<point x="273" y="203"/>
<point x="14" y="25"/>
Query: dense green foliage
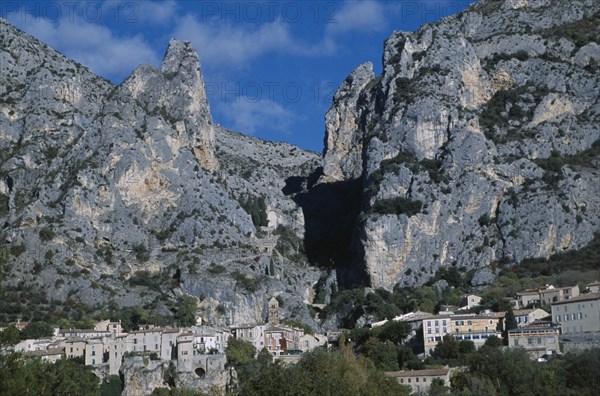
<point x="240" y="354"/>
<point x="32" y="376"/>
<point x="322" y="373"/>
<point x="186" y="311"/>
<point x="37" y="330"/>
<point x="494" y="371"/>
<point x="256" y="207"/>
<point x="111" y="386"/>
<point x="10" y="336"/>
<point x="397" y="206"/>
<point x="584" y="259"/>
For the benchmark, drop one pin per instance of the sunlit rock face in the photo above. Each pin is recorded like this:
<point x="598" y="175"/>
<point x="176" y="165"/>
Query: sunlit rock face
<point x="106" y="188"/>
<point x="488" y="119"/>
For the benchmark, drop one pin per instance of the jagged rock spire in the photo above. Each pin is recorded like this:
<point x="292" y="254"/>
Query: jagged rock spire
<point x="177" y="91"/>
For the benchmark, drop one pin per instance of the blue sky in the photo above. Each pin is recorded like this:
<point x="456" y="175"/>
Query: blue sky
<point x="270" y="68"/>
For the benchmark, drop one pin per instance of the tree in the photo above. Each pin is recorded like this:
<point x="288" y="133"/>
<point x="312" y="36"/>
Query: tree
<point x="438" y="388"/>
<point x="511" y="323"/>
<point x="186" y="313"/>
<point x="37" y="330"/>
<point x="447" y="348"/>
<point x="111" y="386"/>
<point x="323" y="373"/>
<point x="383" y="354"/>
<point x="10" y="336"/>
<point x="510" y="371"/>
<point x="465" y="347"/>
<point x="256" y="207"/>
<point x="406" y="358"/>
<point x="493" y="342"/>
<point x="582" y="371"/>
<point x="26" y="376"/>
<point x="392" y="331"/>
<point x="240" y="354"/>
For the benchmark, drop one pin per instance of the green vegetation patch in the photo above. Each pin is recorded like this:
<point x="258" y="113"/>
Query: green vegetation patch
<point x="580" y="32"/>
<point x="256" y="207"/>
<point x="397" y="206"/>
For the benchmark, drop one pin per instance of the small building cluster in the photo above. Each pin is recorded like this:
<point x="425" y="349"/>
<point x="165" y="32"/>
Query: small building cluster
<point x="573" y="321"/>
<point x="107" y="344"/>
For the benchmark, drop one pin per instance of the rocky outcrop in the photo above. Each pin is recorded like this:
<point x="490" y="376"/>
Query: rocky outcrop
<point x="130" y="194"/>
<point x="479" y="141"/>
<point x="343" y="137"/>
<point x="176" y="92"/>
<point x="141" y="377"/>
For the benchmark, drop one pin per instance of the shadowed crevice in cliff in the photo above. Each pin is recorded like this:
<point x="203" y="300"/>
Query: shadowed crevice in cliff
<point x="331" y="213"/>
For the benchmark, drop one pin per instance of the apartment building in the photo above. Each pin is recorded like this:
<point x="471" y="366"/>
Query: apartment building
<point x="544" y="296"/>
<point x="537" y="339"/>
<point x="472" y="327"/>
<point x="579" y="314"/>
<point x="253" y="333"/>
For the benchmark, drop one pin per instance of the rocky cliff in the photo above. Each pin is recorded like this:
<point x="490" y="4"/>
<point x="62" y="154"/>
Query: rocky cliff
<point x="478" y="146"/>
<point x="130" y="194"/>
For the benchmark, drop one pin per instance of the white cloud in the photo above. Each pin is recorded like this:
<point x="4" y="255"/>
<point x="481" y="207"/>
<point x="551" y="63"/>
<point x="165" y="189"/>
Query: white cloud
<point x="353" y="16"/>
<point x="157" y="12"/>
<point x="251" y="116"/>
<point x="92" y="45"/>
<point x="223" y="44"/>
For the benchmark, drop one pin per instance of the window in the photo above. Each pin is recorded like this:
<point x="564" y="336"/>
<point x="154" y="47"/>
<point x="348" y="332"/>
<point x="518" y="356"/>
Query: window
<point x="401" y="380"/>
<point x="71" y="349"/>
<point x="428" y="331"/>
<point x="93" y="353"/>
<point x="469" y="322"/>
<point x="437" y="322"/>
<point x="93" y="361"/>
<point x="539" y="340"/>
<point x="580" y="316"/>
<point x="424" y="379"/>
<point x="409" y="380"/>
<point x="417" y="379"/>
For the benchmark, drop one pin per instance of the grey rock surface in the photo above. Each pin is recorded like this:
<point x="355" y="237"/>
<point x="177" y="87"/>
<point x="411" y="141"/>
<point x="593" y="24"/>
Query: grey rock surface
<point x="489" y="119"/>
<point x="127" y="194"/>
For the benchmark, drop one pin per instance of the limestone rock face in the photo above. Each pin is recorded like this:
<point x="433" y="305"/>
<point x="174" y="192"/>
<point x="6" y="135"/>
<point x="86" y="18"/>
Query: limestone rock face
<point x="140" y="379"/>
<point x="176" y="91"/>
<point x="342" y="127"/>
<point x="478" y="146"/>
<point x="105" y="188"/>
